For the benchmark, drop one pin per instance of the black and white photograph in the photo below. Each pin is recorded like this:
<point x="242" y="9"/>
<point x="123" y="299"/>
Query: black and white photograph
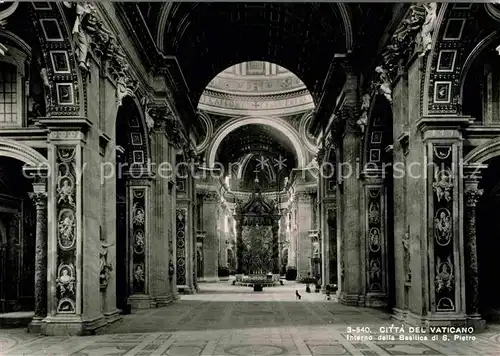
<point x="221" y="178"/>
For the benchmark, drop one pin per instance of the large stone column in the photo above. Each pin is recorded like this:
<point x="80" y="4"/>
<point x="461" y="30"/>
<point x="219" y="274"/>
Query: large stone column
<point x="304" y="223"/>
<point x="472" y="196"/>
<point x="211" y="201"/>
<point x="275" y="247"/>
<point x="239" y="245"/>
<point x="39" y="197"/>
<point x="185" y="231"/>
<point x="322" y="221"/>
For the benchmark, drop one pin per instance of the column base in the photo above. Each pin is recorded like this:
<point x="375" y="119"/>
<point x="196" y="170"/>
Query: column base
<point x="376" y="300"/>
<point x="413" y="319"/>
<point x="139" y="301"/>
<point x="112" y="316"/>
<point x="35" y="326"/>
<point x="72" y="325"/>
<point x="209" y="280"/>
<point x="399" y="314"/>
<point x="354" y="300"/>
<point x="476" y="322"/>
<point x="186" y="290"/>
<point x="163" y="301"/>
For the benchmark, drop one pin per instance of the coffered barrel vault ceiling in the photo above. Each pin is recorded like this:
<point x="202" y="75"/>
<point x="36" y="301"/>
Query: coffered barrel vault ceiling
<point x="207" y="38"/>
<point x="192" y="42"/>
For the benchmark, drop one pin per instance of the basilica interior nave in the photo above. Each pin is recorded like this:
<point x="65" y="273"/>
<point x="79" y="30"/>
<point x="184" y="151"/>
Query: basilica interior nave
<point x="248" y="178"/>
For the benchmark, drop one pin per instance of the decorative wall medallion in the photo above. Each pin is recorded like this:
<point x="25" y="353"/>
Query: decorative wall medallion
<point x="443" y="227"/>
<point x="138" y="156"/>
<point x="374" y="212"/>
<point x="445" y="304"/>
<point x="66" y="226"/>
<point x="138" y="216"/>
<point x="60" y="62"/>
<point x="51" y="30"/>
<point x="374" y="155"/>
<point x="444" y="275"/>
<point x="136" y="139"/>
<point x="374" y="239"/>
<point x="376" y="137"/>
<point x="454" y="29"/>
<point x="139" y="242"/>
<point x="42" y="5"/>
<point x="66" y="279"/>
<point x="446" y="60"/>
<point x="442" y="92"/>
<point x="66" y="306"/>
<point x="442" y="152"/>
<point x="443" y="184"/>
<point x="65" y="95"/>
<point x="139" y="278"/>
<point x="65" y="190"/>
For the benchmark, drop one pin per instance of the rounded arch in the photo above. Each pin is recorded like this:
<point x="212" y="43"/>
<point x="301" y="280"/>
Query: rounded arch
<point x="169" y="6"/>
<point x="276" y="123"/>
<point x="471" y="58"/>
<point x="378" y="132"/>
<point x="54" y="35"/>
<point x="484" y="152"/>
<point x="136" y="130"/>
<point x="453" y="40"/>
<point x="22" y="152"/>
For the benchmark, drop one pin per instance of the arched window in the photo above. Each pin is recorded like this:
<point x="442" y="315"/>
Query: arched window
<point x="14" y="74"/>
<point x="9" y="105"/>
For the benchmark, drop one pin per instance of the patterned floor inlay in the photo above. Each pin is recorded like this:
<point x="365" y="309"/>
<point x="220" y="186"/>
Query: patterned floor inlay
<point x="223" y="321"/>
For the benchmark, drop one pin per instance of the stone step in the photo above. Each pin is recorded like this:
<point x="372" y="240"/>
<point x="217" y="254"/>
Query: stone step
<point x="16" y="319"/>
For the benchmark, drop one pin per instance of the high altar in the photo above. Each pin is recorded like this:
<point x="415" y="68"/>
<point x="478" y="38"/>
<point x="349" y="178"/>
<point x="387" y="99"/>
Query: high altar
<point x="257" y="226"/>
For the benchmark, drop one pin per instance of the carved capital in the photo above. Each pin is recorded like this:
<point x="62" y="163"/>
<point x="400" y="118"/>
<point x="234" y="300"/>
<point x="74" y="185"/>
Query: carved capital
<point x="39" y="199"/>
<point x="472" y="196"/>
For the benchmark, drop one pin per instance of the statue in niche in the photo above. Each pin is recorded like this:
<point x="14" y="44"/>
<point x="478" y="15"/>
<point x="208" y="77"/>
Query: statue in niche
<point x="39" y="90"/>
<point x="428" y="27"/>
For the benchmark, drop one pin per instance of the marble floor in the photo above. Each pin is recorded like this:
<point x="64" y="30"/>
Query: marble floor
<point x="229" y="320"/>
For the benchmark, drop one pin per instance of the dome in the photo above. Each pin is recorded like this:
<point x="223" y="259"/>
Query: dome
<point x="256" y="88"/>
